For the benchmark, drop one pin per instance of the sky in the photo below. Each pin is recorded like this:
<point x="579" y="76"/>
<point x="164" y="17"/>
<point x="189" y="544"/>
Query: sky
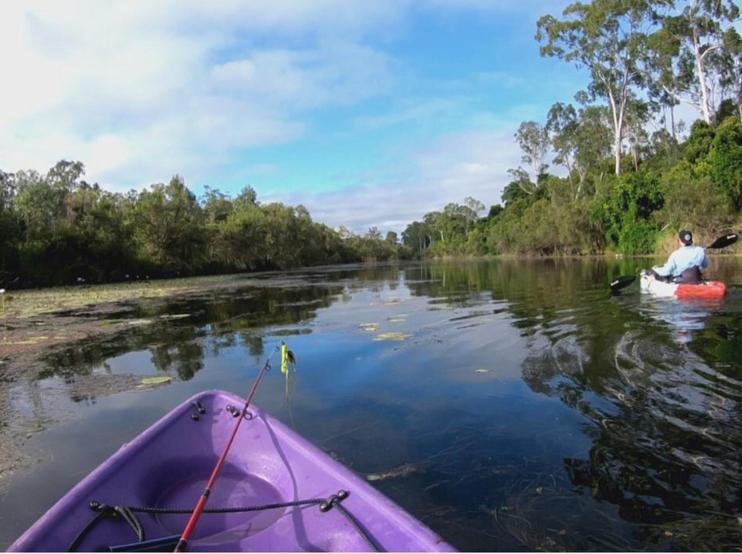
<point x="370" y="113"/>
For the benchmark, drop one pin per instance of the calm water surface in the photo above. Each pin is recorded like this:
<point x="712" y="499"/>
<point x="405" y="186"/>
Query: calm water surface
<point x="524" y="408"/>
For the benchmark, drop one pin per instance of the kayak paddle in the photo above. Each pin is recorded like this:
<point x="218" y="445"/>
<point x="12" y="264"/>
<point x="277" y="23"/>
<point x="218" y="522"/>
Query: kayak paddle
<point x="723" y="242"/>
<point x="620" y="282"/>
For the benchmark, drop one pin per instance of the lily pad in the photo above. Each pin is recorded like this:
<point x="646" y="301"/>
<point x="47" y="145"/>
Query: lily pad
<point x="369" y="326"/>
<point x="140" y="322"/>
<point x="155" y="381"/>
<point x="392" y="336"/>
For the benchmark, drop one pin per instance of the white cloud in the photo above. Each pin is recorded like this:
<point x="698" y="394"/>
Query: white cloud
<point x="471" y="163"/>
<point x="138" y="91"/>
<point x="141" y="90"/>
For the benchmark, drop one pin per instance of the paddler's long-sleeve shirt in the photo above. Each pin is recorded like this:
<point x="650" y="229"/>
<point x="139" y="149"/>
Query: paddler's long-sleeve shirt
<point x="683" y="258"/>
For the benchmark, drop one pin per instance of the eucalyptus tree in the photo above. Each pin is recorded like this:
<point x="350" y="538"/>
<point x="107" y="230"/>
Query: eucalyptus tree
<point x="608" y="38"/>
<point x="522" y="180"/>
<point x="533" y="140"/>
<point x="696" y="53"/>
<point x="471" y="210"/>
<point x="580" y="140"/>
<point x="456" y="219"/>
<point x="417" y="236"/>
<point x="433" y="221"/>
<point x="636" y="116"/>
<point x="561" y="125"/>
<point x="731" y="68"/>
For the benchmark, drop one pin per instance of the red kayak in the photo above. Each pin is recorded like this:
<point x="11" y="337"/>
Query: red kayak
<point x="706" y="290"/>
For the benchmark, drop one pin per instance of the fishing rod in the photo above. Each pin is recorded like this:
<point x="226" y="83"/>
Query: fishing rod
<point x="201" y="504"/>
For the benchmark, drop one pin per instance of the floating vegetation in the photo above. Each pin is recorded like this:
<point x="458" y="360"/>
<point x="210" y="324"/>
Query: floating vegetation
<point x="155" y="381"/>
<point x="29" y="340"/>
<point x="372" y="327"/>
<point x="139" y="321"/>
<point x="291" y="332"/>
<point x="396" y="472"/>
<point x="397" y="318"/>
<point x="481" y="370"/>
<point x="29" y="303"/>
<point x="392" y="336"/>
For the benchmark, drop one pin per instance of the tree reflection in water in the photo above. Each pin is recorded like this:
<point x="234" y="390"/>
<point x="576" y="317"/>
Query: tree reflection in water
<point x="178" y="343"/>
<point x="662" y="402"/>
<point x="638" y="450"/>
<point x="667" y="434"/>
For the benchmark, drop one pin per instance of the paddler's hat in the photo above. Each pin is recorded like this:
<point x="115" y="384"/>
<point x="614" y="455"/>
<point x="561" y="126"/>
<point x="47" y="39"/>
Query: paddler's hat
<point x="686" y="237"/>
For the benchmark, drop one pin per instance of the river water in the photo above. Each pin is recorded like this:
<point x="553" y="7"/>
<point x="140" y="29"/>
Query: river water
<point x="509" y="405"/>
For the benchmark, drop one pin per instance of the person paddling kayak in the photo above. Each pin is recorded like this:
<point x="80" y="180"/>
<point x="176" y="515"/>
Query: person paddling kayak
<point x="685" y="264"/>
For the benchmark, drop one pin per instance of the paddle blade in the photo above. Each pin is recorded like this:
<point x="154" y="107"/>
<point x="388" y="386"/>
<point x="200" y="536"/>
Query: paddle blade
<point x="621" y="282"/>
<point x="723" y="242"/>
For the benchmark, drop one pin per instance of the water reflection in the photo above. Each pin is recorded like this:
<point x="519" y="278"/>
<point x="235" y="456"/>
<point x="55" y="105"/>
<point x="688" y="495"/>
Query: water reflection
<point x="684" y="318"/>
<point x="179" y="334"/>
<point x="520" y="406"/>
<point x="664" y="419"/>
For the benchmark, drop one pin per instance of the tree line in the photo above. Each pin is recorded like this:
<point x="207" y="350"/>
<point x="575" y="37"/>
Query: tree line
<point x="633" y="174"/>
<point x="56" y="228"/>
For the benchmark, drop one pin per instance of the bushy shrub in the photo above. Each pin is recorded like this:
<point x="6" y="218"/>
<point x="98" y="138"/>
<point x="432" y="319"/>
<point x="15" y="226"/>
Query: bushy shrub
<point x="637" y="237"/>
<point x="725" y="159"/>
<point x="693" y="202"/>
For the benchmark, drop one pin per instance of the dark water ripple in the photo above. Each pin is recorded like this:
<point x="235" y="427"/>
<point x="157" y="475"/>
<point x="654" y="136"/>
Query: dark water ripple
<point x="521" y="407"/>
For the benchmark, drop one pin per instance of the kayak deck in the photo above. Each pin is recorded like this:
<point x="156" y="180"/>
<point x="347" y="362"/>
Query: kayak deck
<point x="269" y="466"/>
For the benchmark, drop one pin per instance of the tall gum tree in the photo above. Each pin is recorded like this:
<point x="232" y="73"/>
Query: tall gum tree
<point x="608" y="38"/>
<point x="580" y="139"/>
<point x="696" y="52"/>
<point x="533" y="140"/>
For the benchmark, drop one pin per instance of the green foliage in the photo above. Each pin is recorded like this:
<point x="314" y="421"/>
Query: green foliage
<point x="637" y="237"/>
<point x="57" y="228"/>
<point x="168" y="223"/>
<point x="626" y="212"/>
<point x="693" y="201"/>
<point x="699" y="142"/>
<point x="725" y="160"/>
<point x="608" y="39"/>
<point x="694" y="52"/>
<point x="697" y="185"/>
<point x="515" y="191"/>
<point x="637" y="195"/>
<point x="546" y="227"/>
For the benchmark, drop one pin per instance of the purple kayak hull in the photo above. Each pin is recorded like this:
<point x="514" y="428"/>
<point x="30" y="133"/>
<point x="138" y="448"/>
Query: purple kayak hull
<point x="168" y="466"/>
